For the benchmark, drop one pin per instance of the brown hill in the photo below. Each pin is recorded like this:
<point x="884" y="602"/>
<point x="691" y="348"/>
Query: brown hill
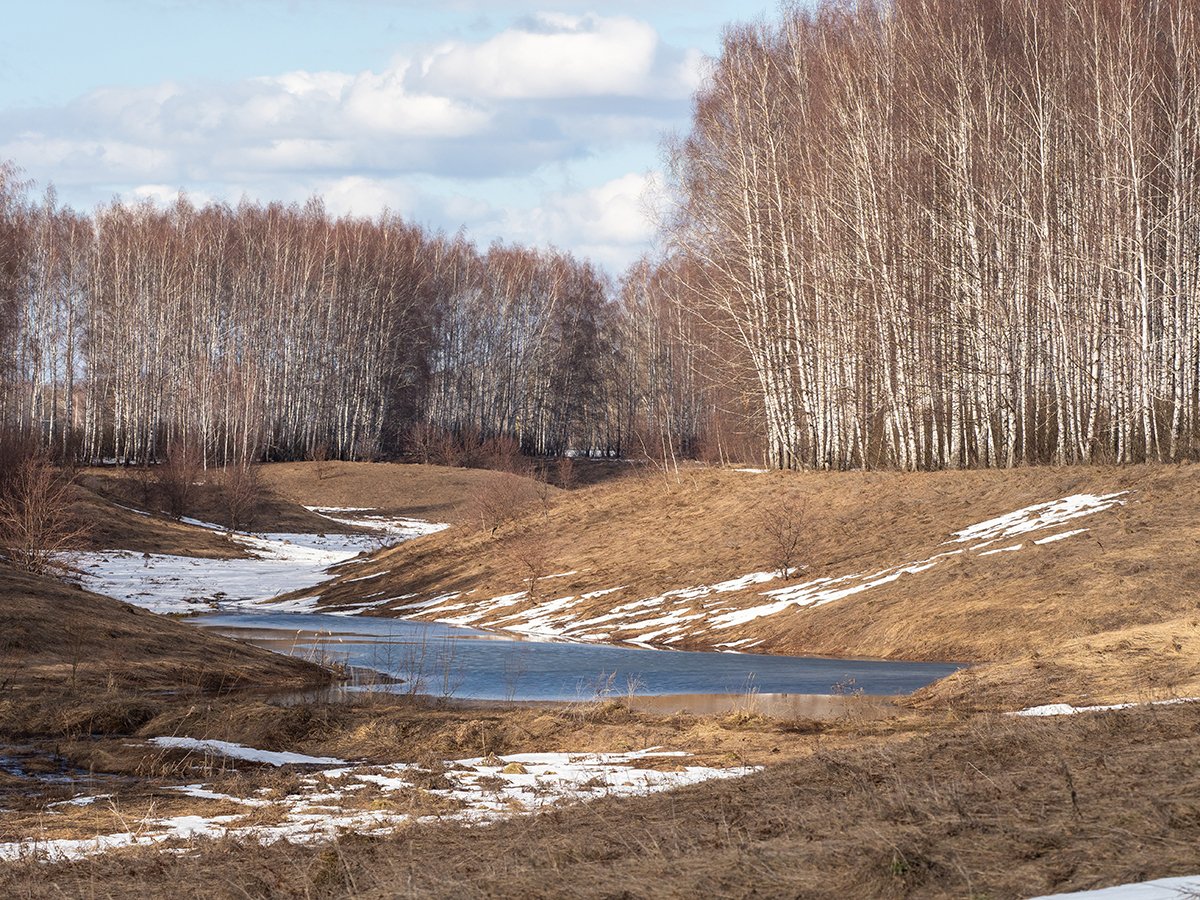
<point x="1132" y="565"/>
<point x="68" y="656"/>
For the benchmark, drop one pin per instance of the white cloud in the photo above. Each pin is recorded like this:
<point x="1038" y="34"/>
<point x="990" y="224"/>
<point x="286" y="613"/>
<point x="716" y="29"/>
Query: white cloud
<point x="550" y="56"/>
<point x="361" y="196"/>
<point x="301" y="154"/>
<point x="104" y="159"/>
<point x="612" y="222"/>
<point x="383" y="103"/>
<point x="442" y="134"/>
<point x="165" y="195"/>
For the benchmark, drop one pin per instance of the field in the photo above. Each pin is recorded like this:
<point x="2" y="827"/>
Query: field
<point x="945" y="796"/>
<point x="1109" y="613"/>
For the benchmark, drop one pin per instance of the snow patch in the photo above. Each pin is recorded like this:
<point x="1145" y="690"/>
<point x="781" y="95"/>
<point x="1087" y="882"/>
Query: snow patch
<point x="478" y="791"/>
<point x="249" y="754"/>
<point x="1040" y="516"/>
<point x="1065" y="709"/>
<point x="282" y="563"/>
<point x="1160" y="889"/>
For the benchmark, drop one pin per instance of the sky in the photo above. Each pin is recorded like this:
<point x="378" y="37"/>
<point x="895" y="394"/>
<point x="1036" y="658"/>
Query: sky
<point x="537" y="123"/>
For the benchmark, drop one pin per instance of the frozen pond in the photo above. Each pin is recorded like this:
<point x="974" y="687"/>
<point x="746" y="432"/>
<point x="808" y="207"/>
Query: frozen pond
<point x="452" y="661"/>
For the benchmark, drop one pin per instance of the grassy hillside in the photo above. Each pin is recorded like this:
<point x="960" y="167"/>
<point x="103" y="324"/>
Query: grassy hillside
<point x="1134" y="568"/>
<point x="74" y="662"/>
<point x="110" y="502"/>
<point x="433" y="493"/>
<point x="999" y="808"/>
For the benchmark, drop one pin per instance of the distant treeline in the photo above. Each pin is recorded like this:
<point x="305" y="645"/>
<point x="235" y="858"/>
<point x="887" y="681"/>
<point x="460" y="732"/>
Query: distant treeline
<point x="912" y="234"/>
<point x="283" y="332"/>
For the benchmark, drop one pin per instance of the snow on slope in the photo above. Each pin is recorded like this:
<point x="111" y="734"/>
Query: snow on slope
<point x="283" y="563"/>
<point x="249" y="754"/>
<point x="704" y="611"/>
<point x="403" y="528"/>
<point x="1183" y="888"/>
<point x="325" y="803"/>
<point x="1065" y="709"/>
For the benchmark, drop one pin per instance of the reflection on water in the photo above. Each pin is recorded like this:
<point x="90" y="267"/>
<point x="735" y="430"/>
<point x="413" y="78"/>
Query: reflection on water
<point x="777" y="706"/>
<point x="793" y="707"/>
<point x="465" y="663"/>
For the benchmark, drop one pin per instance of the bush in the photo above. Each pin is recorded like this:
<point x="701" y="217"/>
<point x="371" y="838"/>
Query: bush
<point x="530" y="555"/>
<point x="241" y="491"/>
<point x="319" y="455"/>
<point x="504" y="498"/>
<point x="177" y="476"/>
<point x="782" y="530"/>
<point x="37" y="524"/>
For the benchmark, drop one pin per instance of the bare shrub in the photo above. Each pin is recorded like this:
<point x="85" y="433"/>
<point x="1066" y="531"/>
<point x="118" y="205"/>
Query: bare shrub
<point x="432" y="445"/>
<point x="419" y="441"/>
<point x="502" y="500"/>
<point x="37" y="523"/>
<point x="15" y="448"/>
<point x="501" y="453"/>
<point x="241" y="488"/>
<point x="782" y="530"/>
<point x="516" y="664"/>
<point x="145" y="484"/>
<point x="449" y="450"/>
<point x="178" y="474"/>
<point x="565" y="472"/>
<point x="319" y="456"/>
<point x="530" y="554"/>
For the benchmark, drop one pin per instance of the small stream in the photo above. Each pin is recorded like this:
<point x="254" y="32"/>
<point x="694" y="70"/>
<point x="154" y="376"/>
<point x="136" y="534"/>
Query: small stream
<point x="468" y="664"/>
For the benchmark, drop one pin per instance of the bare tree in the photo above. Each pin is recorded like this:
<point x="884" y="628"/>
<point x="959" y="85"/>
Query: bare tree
<point x="37" y="522"/>
<point x="782" y="530"/>
<point x="911" y="244"/>
<point x="242" y="492"/>
<point x="319" y="457"/>
<point x="178" y="475"/>
<point x="502" y="499"/>
<point x="530" y="553"/>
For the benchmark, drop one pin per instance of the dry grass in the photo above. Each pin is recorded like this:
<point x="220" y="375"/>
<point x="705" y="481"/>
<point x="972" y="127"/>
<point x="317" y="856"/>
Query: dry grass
<point x="1135" y="567"/>
<point x="110" y="489"/>
<point x="101" y="501"/>
<point x="74" y="663"/>
<point x="996" y="808"/>
<point x="1141" y="663"/>
<point x="395" y="728"/>
<point x="434" y="493"/>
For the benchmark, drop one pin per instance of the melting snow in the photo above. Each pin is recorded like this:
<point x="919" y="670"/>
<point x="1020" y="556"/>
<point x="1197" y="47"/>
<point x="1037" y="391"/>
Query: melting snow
<point x="1002" y="550"/>
<point x="1059" y="537"/>
<point x="402" y="527"/>
<point x="476" y="791"/>
<point x="701" y="611"/>
<point x="1161" y="889"/>
<point x="1065" y="709"/>
<point x="237" y="751"/>
<point x="1039" y="516"/>
<point x="282" y="563"/>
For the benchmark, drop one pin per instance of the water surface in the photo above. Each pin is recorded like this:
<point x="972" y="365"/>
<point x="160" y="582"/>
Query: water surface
<point x="466" y="663"/>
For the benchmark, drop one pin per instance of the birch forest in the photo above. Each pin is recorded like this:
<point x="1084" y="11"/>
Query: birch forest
<point x="917" y="234"/>
<point x="280" y="331"/>
<point x="950" y="233"/>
